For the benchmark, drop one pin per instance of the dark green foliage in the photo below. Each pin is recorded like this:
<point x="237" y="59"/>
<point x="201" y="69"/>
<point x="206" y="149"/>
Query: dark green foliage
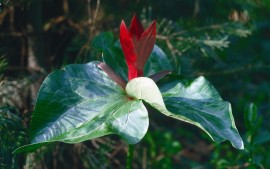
<point x="3" y="65"/>
<point x="12" y="134"/>
<point x="256" y="153"/>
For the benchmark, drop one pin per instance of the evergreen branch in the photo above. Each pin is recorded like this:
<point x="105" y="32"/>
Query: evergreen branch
<point x="242" y="69"/>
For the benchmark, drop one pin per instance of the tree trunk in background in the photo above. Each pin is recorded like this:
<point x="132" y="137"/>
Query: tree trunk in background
<point x="36" y="61"/>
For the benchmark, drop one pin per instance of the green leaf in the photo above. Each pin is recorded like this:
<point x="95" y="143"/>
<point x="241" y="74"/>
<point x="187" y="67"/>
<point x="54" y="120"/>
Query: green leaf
<point x="251" y="116"/>
<point x="262" y="138"/>
<point x="80" y="103"/>
<point x="196" y="102"/>
<point x="157" y="61"/>
<point x="115" y="59"/>
<point x="103" y="40"/>
<point x="111" y="53"/>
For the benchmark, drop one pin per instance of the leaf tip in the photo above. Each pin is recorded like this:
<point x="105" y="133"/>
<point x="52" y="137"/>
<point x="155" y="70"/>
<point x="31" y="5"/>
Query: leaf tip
<point x="239" y="145"/>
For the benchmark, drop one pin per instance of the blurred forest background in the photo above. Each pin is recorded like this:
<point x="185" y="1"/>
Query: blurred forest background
<point x="227" y="41"/>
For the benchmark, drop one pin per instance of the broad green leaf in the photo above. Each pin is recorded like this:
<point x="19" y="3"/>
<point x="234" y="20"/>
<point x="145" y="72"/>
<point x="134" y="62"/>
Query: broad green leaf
<point x="115" y="59"/>
<point x="157" y="61"/>
<point x="111" y="54"/>
<point x="103" y="40"/>
<point x="80" y="103"/>
<point x="196" y="102"/>
<point x="200" y="104"/>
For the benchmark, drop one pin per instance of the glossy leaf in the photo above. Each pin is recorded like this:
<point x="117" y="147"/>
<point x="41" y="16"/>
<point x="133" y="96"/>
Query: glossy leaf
<point x="111" y="54"/>
<point x="195" y="102"/>
<point x="115" y="59"/>
<point x="157" y="61"/>
<point x="103" y="40"/>
<point x="80" y="103"/>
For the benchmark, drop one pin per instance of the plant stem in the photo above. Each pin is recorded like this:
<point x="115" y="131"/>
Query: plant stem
<point x="130" y="156"/>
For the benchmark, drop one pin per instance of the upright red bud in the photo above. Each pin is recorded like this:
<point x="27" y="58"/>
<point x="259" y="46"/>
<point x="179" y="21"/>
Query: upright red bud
<point x="137" y="45"/>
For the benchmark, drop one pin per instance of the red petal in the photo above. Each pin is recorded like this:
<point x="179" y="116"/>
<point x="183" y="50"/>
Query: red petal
<point x="129" y="50"/>
<point x="145" y="45"/>
<point x="136" y="28"/>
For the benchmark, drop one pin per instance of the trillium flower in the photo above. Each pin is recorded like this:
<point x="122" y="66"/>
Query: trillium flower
<point x="137" y="45"/>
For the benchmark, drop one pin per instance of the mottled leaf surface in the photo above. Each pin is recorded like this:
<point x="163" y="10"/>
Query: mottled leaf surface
<point x="196" y="102"/>
<point x="80" y="103"/>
